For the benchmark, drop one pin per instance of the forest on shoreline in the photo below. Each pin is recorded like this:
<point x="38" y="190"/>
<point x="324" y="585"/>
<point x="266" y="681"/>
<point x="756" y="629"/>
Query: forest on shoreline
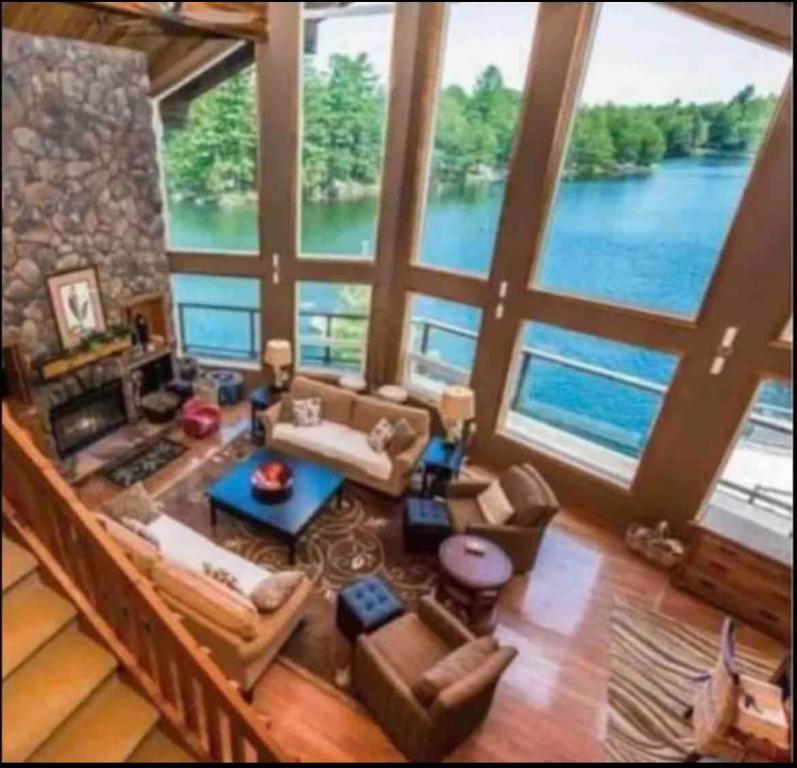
<point x="211" y="158"/>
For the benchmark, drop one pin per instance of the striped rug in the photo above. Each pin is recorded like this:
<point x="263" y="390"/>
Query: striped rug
<point x="653" y="661"/>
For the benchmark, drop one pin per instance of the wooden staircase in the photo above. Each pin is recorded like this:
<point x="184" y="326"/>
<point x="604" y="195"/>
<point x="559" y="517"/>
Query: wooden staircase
<point x="63" y="697"/>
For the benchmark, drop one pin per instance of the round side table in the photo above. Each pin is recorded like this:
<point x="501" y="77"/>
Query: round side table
<point x="355" y="384"/>
<point x="393" y="393"/>
<point x="473" y="573"/>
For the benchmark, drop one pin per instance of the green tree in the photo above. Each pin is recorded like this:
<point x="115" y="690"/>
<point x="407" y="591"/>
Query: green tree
<point x="591" y="151"/>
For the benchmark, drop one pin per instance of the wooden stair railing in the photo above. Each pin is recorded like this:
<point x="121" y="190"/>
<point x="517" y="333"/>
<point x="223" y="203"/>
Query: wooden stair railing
<point x="161" y="656"/>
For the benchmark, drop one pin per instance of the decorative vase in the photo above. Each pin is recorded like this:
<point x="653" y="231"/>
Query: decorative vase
<point x="142" y="330"/>
<point x="187" y="368"/>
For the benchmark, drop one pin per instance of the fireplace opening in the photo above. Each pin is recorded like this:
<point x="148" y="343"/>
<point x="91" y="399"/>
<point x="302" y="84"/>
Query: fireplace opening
<point x="88" y="417"/>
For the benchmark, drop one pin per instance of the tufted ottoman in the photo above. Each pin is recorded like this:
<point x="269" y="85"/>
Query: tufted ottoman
<point x="366" y="605"/>
<point x="427" y="525"/>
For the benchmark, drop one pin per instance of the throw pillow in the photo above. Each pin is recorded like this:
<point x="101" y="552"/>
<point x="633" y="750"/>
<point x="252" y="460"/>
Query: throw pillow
<point x="494" y="505"/>
<point x="135" y="503"/>
<point x="381" y="435"/>
<point x="307" y="412"/>
<point x="222" y="575"/>
<point x="286" y="409"/>
<point x="137" y="527"/>
<point x="453" y="668"/>
<point x="403" y="438"/>
<point x="272" y="592"/>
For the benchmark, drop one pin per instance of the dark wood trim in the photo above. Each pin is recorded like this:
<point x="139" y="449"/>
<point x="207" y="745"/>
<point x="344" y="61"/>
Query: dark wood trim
<point x="215" y="264"/>
<point x="319" y="270"/>
<point x="766" y="22"/>
<point x="387" y="298"/>
<point x="279" y="103"/>
<point x="419" y="129"/>
<point x="558" y="57"/>
<point x="243" y="20"/>
<point x="619" y="323"/>
<point x="751" y="290"/>
<point x="164" y="78"/>
<point x="452" y="286"/>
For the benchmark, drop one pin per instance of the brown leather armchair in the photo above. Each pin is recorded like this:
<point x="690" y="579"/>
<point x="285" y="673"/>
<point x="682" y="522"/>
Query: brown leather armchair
<point x="389" y="663"/>
<point x="532" y="499"/>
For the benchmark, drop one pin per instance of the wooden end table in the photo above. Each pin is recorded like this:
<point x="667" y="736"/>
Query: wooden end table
<point x="441" y="462"/>
<point x="473" y="573"/>
<point x="259" y="400"/>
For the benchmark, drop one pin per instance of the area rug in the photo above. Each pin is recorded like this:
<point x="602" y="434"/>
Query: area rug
<point x="146" y="462"/>
<point x="654" y="660"/>
<point x="362" y="537"/>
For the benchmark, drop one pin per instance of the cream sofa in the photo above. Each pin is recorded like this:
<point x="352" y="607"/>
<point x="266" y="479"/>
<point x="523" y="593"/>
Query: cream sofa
<point x="242" y="641"/>
<point x="341" y="440"/>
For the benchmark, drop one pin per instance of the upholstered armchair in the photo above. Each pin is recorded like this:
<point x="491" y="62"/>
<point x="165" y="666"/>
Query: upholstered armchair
<point x="391" y="663"/>
<point x="530" y="496"/>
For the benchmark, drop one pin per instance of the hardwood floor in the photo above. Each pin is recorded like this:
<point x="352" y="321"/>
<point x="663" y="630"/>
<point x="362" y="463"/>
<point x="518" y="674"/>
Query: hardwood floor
<point x="551" y="703"/>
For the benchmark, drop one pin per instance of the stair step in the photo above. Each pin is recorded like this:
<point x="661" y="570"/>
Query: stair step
<point x="48" y="688"/>
<point x="17" y="563"/>
<point x="32" y="615"/>
<point x="106" y="728"/>
<point x="157" y="747"/>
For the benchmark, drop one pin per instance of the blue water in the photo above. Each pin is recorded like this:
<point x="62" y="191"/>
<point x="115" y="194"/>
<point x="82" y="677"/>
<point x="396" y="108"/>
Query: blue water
<point x="651" y="241"/>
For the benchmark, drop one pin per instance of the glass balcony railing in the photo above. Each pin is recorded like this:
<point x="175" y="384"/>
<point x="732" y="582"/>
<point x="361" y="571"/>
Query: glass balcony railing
<point x="551" y="389"/>
<point x="436" y="354"/>
<point x="334" y="340"/>
<point x="218" y="331"/>
<point x="759" y="470"/>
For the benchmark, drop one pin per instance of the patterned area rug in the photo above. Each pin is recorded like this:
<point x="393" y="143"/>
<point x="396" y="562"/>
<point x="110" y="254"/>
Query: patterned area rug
<point x="146" y="462"/>
<point x="363" y="537"/>
<point x="653" y="662"/>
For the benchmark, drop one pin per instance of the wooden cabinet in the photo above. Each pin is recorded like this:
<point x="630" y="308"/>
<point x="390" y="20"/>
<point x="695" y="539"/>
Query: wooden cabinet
<point x="741" y="582"/>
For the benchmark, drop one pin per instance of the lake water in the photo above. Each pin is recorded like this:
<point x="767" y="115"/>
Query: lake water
<point x="650" y="241"/>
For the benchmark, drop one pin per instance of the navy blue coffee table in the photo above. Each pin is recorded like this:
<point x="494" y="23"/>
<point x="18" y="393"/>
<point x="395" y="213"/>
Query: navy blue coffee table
<point x="313" y="487"/>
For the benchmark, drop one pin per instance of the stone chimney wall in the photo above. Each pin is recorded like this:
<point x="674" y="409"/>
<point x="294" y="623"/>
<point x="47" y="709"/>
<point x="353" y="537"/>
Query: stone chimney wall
<point x="80" y="180"/>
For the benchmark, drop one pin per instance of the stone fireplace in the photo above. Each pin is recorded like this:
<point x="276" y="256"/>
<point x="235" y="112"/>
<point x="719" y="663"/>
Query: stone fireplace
<point x="84" y="419"/>
<point x="81" y="187"/>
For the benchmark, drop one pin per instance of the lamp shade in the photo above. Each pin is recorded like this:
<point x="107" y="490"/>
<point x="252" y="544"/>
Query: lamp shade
<point x="457" y="403"/>
<point x="278" y="353"/>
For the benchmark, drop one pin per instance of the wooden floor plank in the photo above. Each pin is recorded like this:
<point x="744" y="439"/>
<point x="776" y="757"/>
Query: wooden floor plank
<point x="551" y="703"/>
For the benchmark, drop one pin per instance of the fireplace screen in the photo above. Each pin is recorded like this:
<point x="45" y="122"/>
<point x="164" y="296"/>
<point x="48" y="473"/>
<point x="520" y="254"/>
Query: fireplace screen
<point x="88" y="417"/>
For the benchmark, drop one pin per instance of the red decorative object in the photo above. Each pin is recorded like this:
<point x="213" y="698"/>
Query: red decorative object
<point x="272" y="480"/>
<point x="200" y="419"/>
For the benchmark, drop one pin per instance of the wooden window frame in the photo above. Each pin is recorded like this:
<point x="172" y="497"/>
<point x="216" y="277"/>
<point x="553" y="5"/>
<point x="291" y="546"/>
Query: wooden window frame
<point x="700" y="414"/>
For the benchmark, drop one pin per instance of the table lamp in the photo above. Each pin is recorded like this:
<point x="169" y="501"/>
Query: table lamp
<point x="456" y="407"/>
<point x="278" y="355"/>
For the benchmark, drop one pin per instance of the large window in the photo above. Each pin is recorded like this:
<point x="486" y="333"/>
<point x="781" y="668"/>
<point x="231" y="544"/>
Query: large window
<point x="209" y="155"/>
<point x="478" y="107"/>
<point x="587" y="399"/>
<point x="672" y="112"/>
<point x="440" y="344"/>
<point x="332" y="326"/>
<point x="217" y="318"/>
<point x="347" y="54"/>
<point x="753" y="501"/>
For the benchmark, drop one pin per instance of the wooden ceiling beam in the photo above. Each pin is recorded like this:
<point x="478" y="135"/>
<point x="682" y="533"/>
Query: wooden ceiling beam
<point x="768" y="22"/>
<point x="172" y="67"/>
<point x="239" y="20"/>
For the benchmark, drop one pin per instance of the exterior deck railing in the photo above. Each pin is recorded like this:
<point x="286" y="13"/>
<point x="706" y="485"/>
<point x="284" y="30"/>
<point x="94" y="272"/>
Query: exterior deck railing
<point x="336" y="351"/>
<point x="329" y="349"/>
<point x="163" y="659"/>
<point x="248" y="350"/>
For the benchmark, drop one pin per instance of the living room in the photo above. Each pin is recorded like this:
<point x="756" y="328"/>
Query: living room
<point x="382" y="378"/>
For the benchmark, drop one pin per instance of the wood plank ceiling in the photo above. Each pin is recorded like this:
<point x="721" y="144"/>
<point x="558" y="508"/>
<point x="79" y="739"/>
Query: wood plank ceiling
<point x="172" y="49"/>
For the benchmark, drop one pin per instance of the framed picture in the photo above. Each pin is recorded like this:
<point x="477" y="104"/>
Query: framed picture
<point x="75" y="299"/>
